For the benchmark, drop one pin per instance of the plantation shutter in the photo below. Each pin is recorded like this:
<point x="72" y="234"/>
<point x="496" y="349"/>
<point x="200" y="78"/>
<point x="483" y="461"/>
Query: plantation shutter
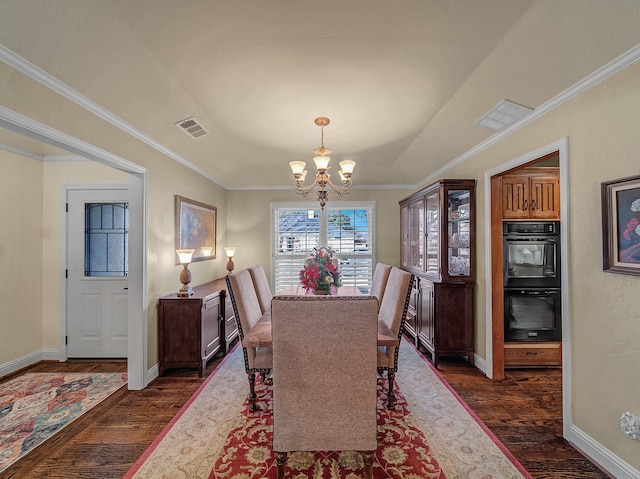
<point x="347" y="228"/>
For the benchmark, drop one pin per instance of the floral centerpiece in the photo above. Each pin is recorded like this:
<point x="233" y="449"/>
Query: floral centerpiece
<point x="320" y="273"/>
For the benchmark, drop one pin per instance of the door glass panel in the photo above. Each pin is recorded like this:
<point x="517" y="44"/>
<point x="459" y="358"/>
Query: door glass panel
<point x="459" y="240"/>
<point x="416" y="229"/>
<point x="106" y="252"/>
<point x="433" y="234"/>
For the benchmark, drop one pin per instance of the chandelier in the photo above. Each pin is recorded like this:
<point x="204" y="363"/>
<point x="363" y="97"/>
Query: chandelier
<point x="322" y="180"/>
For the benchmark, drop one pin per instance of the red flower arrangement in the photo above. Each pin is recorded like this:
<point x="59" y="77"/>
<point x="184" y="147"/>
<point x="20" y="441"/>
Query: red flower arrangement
<point x="320" y="272"/>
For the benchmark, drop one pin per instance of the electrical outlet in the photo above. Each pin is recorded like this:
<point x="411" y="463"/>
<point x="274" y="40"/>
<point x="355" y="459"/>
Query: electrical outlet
<point x="630" y="425"/>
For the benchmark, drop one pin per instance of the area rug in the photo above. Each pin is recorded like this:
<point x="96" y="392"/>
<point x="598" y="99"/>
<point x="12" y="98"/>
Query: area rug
<point x="34" y="406"/>
<point x="431" y="434"/>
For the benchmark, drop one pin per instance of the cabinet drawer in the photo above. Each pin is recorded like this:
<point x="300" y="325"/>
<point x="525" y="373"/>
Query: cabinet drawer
<point x="533" y="354"/>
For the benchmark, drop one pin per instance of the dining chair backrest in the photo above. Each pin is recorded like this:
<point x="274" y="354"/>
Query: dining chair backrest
<point x="395" y="300"/>
<point x="324" y="368"/>
<point x="380" y="277"/>
<point x="261" y="285"/>
<point x="244" y="299"/>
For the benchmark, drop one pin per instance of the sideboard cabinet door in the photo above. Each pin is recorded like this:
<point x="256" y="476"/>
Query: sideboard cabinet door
<point x="191" y="330"/>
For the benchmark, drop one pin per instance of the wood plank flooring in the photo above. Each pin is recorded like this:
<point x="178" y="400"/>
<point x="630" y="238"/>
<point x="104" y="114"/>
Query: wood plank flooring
<point x="524" y="412"/>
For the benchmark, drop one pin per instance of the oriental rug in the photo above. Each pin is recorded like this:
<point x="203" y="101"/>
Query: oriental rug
<point x="34" y="406"/>
<point x="430" y="434"/>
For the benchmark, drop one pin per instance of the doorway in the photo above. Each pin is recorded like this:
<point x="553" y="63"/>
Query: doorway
<point x="137" y="307"/>
<point x="494" y="277"/>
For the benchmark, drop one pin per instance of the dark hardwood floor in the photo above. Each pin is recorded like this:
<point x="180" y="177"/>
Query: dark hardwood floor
<point x="524" y="412"/>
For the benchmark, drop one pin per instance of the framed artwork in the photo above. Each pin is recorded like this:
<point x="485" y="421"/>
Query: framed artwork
<point x="621" y="225"/>
<point x="196" y="228"/>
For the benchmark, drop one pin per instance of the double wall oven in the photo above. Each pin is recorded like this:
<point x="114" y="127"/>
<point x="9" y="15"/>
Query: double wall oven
<point x="532" y="296"/>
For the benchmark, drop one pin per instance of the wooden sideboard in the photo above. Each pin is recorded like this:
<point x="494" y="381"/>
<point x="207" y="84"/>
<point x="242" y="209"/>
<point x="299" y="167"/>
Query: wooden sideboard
<point x="193" y="330"/>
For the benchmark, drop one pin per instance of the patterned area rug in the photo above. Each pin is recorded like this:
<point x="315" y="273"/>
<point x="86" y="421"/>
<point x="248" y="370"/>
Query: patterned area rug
<point x="34" y="406"/>
<point x="431" y="434"/>
<point x="402" y="450"/>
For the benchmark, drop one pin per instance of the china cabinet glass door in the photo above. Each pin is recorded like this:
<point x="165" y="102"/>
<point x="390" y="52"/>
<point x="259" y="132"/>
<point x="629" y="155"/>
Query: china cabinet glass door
<point x="416" y="235"/>
<point x="459" y="233"/>
<point x="433" y="234"/>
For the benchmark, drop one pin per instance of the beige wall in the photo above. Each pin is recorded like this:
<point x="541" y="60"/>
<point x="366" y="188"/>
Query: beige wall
<point x="20" y="256"/>
<point x="602" y="127"/>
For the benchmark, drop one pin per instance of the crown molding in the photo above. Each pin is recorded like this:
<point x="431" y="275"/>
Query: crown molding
<point x="31" y="128"/>
<point x="21" y="152"/>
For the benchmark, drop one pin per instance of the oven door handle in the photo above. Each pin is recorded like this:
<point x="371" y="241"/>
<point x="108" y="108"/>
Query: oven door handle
<point x="530" y="240"/>
<point x="534" y="293"/>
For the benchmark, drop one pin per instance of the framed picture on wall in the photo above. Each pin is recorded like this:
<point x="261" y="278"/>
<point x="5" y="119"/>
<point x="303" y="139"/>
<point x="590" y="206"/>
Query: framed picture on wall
<point x="196" y="228"/>
<point x="621" y="225"/>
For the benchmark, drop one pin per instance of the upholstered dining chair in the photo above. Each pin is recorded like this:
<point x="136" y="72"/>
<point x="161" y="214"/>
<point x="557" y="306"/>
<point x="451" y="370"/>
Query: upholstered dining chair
<point x="380" y="277"/>
<point x="393" y="311"/>
<point x="261" y="285"/>
<point x="324" y="365"/>
<point x="247" y="311"/>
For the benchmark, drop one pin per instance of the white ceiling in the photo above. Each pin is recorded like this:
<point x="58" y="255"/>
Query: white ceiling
<point x="402" y="81"/>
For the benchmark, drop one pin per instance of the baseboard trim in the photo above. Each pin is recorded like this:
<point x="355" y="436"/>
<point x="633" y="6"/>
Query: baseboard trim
<point x="480" y="363"/>
<point x="600" y="455"/>
<point x="153" y="372"/>
<point x="27" y="360"/>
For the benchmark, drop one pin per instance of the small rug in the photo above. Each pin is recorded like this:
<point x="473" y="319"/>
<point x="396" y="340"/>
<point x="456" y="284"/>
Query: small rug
<point x="34" y="406"/>
<point x="215" y="436"/>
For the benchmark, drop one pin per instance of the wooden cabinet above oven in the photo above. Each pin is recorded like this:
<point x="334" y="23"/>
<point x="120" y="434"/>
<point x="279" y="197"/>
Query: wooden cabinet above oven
<point x="531" y="194"/>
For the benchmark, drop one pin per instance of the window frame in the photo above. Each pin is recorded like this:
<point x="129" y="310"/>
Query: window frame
<point x="306" y="205"/>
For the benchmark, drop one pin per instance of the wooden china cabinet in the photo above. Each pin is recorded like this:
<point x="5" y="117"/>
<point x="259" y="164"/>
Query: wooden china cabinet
<point x="437" y="245"/>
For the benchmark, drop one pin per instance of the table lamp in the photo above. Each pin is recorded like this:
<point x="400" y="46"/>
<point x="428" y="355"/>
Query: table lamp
<point x="184" y="257"/>
<point x="230" y="251"/>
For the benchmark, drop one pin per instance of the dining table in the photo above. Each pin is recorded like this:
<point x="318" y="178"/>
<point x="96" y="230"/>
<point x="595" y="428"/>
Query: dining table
<point x="260" y="334"/>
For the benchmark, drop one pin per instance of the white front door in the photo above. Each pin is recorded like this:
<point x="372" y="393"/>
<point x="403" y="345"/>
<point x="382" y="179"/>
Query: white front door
<point x="97" y="270"/>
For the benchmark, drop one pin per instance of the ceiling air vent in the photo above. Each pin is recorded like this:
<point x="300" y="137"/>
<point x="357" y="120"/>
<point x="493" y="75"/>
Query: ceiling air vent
<point x="192" y="127"/>
<point x="503" y="115"/>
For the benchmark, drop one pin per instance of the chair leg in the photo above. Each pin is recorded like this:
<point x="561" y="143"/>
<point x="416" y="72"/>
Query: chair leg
<point x="266" y="379"/>
<point x="391" y="397"/>
<point x="252" y="391"/>
<point x="281" y="461"/>
<point x="367" y="456"/>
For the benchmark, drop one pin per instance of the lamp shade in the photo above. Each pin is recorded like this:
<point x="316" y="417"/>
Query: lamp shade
<point x="230" y="251"/>
<point x="184" y="255"/>
<point x="322" y="162"/>
<point x="297" y="167"/>
<point x="207" y="250"/>
<point x="347" y="166"/>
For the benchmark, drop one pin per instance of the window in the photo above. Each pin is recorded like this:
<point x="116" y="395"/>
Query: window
<point x="106" y="239"/>
<point x="346" y="227"/>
